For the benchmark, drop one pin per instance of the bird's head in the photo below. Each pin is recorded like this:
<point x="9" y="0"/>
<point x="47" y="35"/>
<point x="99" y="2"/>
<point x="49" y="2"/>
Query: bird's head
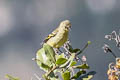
<point x="66" y="24"/>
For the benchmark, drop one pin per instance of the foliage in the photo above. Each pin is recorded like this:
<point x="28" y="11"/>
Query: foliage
<point x="63" y="62"/>
<point x="11" y="78"/>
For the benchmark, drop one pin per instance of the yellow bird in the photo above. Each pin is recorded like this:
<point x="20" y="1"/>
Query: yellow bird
<point x="59" y="36"/>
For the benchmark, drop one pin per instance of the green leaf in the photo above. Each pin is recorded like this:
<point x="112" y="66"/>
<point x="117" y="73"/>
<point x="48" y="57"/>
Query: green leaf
<point x="45" y="67"/>
<point x="41" y="56"/>
<point x="45" y="57"/>
<point x="57" y="56"/>
<point x="78" y="74"/>
<point x="73" y="63"/>
<point x="68" y="62"/>
<point x="61" y="61"/>
<point x="51" y="76"/>
<point x="83" y="66"/>
<point x="88" y="78"/>
<point x="11" y="78"/>
<point x="66" y="75"/>
<point x="75" y="50"/>
<point x="42" y="60"/>
<point x="45" y="77"/>
<point x="49" y="52"/>
<point x="70" y="48"/>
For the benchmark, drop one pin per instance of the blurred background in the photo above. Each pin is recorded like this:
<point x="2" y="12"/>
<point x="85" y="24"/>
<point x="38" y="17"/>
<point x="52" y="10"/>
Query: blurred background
<point x="25" y="23"/>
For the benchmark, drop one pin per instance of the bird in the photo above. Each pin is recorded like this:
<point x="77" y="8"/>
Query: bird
<point x="59" y="36"/>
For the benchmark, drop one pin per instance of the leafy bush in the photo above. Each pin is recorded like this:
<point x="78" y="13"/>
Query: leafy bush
<point x="63" y="62"/>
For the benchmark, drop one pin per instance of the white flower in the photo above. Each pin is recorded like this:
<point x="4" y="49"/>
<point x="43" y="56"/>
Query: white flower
<point x="109" y="37"/>
<point x="106" y="48"/>
<point x="115" y="37"/>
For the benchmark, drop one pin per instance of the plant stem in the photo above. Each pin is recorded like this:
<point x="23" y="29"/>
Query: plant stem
<point x="51" y="70"/>
<point x="113" y="54"/>
<point x="82" y="49"/>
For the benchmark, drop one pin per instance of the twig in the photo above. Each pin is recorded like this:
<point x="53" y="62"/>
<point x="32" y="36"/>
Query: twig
<point x="51" y="70"/>
<point x="37" y="77"/>
<point x="83" y="49"/>
<point x="114" y="54"/>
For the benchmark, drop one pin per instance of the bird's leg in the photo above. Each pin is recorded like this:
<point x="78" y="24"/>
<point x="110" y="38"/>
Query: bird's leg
<point x="57" y="50"/>
<point x="66" y="48"/>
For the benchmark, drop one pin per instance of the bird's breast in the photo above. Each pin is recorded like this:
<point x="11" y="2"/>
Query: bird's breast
<point x="58" y="40"/>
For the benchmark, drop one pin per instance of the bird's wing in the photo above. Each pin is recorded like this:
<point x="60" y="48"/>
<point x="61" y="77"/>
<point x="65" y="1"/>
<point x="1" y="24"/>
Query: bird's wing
<point x="51" y="35"/>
